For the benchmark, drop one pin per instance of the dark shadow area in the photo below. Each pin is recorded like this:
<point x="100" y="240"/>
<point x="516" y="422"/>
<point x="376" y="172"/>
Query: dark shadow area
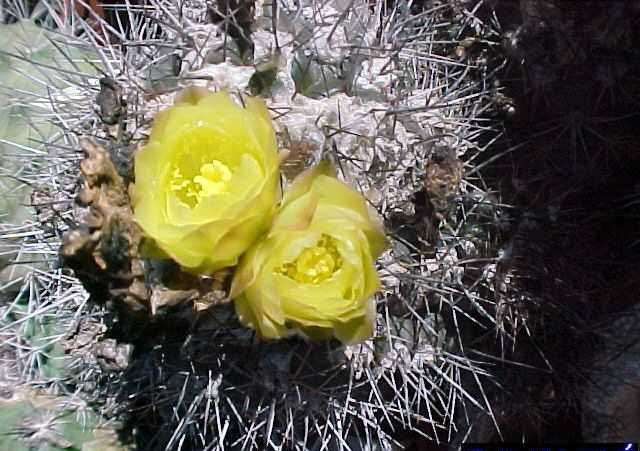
<point x="568" y="163"/>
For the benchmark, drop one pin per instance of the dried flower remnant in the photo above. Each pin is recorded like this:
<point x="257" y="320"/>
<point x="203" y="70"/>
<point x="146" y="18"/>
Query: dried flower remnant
<point x="443" y="174"/>
<point x="110" y="101"/>
<point x="314" y="273"/>
<point x="206" y="184"/>
<point x="103" y="250"/>
<point x="442" y="179"/>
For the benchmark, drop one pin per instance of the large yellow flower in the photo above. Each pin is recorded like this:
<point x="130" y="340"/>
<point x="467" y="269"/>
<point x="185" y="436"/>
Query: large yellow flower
<point x="206" y="184"/>
<point x="314" y="272"/>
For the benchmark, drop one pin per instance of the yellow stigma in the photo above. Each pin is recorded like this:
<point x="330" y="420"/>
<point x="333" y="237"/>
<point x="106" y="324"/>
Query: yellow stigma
<point x="213" y="179"/>
<point x="314" y="264"/>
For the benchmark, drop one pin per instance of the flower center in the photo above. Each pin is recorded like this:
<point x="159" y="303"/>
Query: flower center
<point x="314" y="264"/>
<point x="213" y="179"/>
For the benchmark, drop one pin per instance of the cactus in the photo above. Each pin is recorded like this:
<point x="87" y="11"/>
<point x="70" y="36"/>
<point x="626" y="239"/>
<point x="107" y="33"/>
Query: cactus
<point x="393" y="94"/>
<point x="33" y="420"/>
<point x="42" y="414"/>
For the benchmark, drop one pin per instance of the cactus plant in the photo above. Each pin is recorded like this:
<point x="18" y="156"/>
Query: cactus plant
<point x="33" y="420"/>
<point x="383" y="91"/>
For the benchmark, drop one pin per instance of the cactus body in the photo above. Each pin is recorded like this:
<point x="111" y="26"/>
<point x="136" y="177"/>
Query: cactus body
<point x="372" y="87"/>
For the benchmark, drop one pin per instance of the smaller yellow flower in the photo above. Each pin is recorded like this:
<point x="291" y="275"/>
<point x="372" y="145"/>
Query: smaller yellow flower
<point x="206" y="183"/>
<point x="314" y="272"/>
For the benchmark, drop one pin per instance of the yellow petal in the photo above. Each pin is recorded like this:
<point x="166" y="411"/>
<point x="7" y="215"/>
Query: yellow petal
<point x="248" y="126"/>
<point x="264" y="134"/>
<point x="258" y="107"/>
<point x="327" y="199"/>
<point x="340" y="201"/>
<point x="219" y="101"/>
<point x="150" y="214"/>
<point x="303" y="182"/>
<point x="159" y="126"/>
<point x="244" y="312"/>
<point x="190" y="251"/>
<point x="250" y="267"/>
<point x="147" y="167"/>
<point x="192" y="95"/>
<point x="326" y="301"/>
<point x="358" y="329"/>
<point x="297" y="216"/>
<point x="230" y="246"/>
<point x="287" y="246"/>
<point x="265" y="302"/>
<point x="264" y="325"/>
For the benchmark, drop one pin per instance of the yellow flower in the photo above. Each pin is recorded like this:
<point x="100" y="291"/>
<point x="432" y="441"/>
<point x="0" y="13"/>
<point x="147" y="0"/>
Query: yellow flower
<point x="314" y="272"/>
<point x="206" y="184"/>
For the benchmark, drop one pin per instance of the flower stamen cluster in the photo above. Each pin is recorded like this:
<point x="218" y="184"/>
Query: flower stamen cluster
<point x="213" y="179"/>
<point x="314" y="264"/>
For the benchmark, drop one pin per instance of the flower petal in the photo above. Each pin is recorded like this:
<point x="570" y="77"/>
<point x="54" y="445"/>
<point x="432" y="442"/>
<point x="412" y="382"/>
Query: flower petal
<point x="359" y="329"/>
